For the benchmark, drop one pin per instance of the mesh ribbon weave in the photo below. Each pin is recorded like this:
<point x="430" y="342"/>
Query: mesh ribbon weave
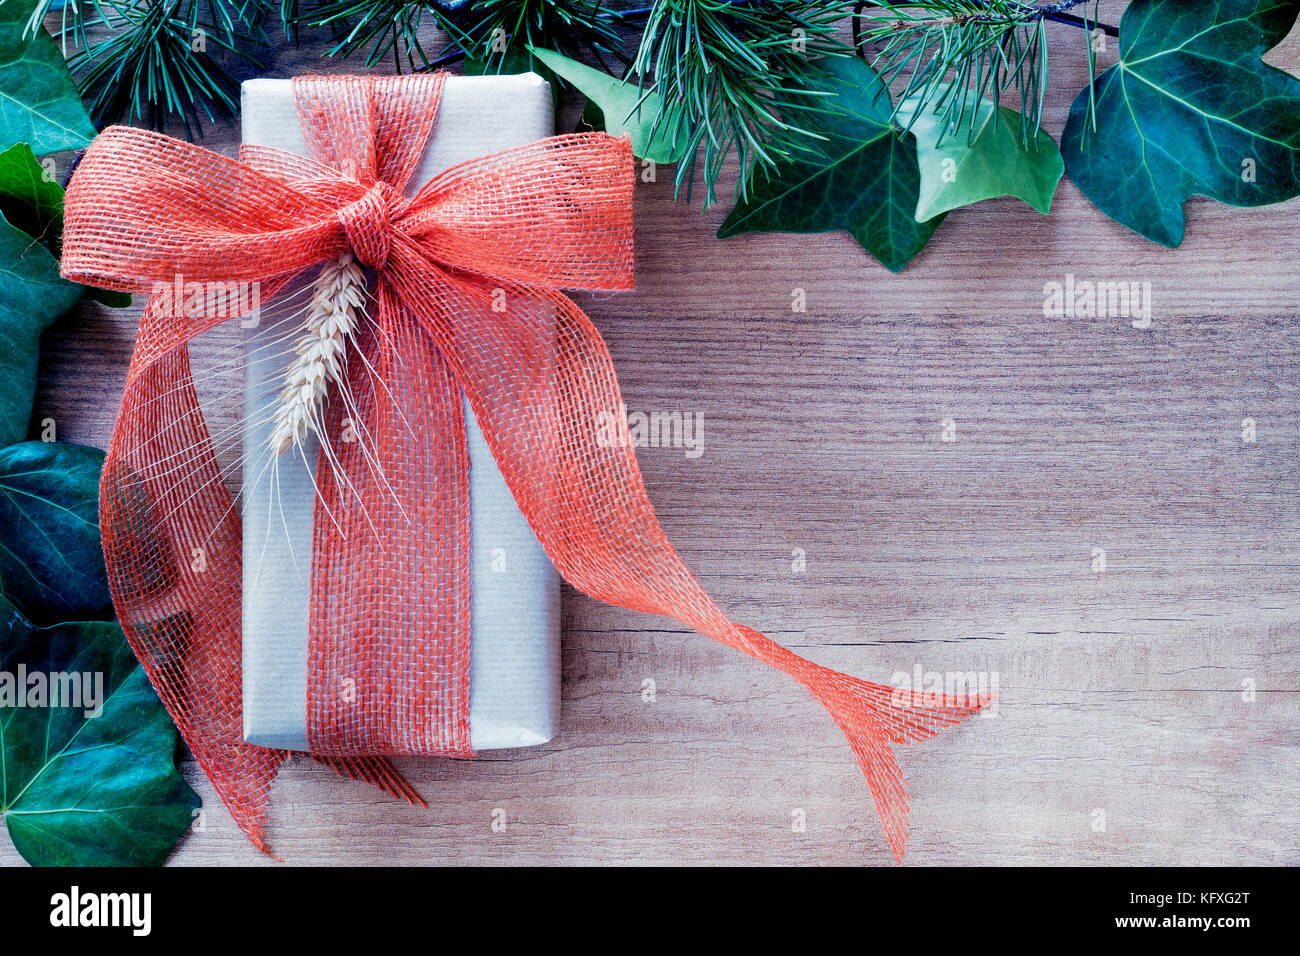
<point x="392" y="608"/>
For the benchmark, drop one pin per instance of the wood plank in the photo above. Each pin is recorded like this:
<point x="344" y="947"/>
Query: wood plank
<point x="1120" y="691"/>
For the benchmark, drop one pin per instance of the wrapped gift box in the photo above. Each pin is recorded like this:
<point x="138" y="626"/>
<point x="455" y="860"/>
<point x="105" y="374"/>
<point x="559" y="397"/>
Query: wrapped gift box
<point x="515" y="672"/>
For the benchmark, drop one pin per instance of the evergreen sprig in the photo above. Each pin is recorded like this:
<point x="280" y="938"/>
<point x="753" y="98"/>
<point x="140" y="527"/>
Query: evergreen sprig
<point x="73" y="17"/>
<point x="493" y="34"/>
<point x="733" y="76"/>
<point x="946" y="55"/>
<point x="497" y="33"/>
<point x="157" y="61"/>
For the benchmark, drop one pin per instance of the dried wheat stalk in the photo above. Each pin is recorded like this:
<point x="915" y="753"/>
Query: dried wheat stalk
<point x="337" y="304"/>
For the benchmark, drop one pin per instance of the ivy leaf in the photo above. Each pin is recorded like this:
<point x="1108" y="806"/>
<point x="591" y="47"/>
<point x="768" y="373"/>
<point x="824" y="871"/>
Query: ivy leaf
<point x="32" y="296"/>
<point x="1190" y="109"/>
<point x="626" y="108"/>
<point x="975" y="159"/>
<point x="51" y="557"/>
<point x="29" y="196"/>
<point x="863" y="178"/>
<point x="32" y="201"/>
<point x="39" y="103"/>
<point x="78" y="790"/>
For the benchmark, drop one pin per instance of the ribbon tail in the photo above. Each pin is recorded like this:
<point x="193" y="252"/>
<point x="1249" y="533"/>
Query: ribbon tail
<point x="172" y="551"/>
<point x="872" y="716"/>
<point x="540" y="380"/>
<point x="374" y="770"/>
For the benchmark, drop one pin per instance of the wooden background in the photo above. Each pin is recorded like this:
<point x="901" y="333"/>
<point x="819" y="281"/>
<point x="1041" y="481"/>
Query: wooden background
<point x="1124" y="694"/>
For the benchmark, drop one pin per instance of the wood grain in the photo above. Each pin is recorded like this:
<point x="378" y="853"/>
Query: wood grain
<point x="1161" y="692"/>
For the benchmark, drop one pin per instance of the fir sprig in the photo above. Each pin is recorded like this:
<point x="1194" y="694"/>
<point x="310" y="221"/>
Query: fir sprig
<point x="495" y="33"/>
<point x="73" y="17"/>
<point x="947" y="55"/>
<point x="492" y="33"/>
<point x="731" y="76"/>
<point x="383" y="25"/>
<point x="158" y="61"/>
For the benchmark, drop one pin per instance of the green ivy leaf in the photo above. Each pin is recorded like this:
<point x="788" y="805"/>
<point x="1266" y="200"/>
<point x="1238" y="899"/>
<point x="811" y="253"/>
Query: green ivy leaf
<point x="39" y="103"/>
<point x="51" y="557"/>
<point x="30" y="199"/>
<point x="77" y="790"/>
<point x="1190" y="109"/>
<point x="626" y="108"/>
<point x="975" y="159"/>
<point x="864" y="177"/>
<point x="32" y="296"/>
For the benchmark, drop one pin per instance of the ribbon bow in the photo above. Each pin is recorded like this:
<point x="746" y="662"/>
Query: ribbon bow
<point x="467" y="280"/>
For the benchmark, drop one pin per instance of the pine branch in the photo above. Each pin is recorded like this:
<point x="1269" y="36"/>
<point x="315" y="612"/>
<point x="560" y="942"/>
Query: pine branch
<point x="732" y="74"/>
<point x="946" y="55"/>
<point x="492" y="33"/>
<point x="157" y="61"/>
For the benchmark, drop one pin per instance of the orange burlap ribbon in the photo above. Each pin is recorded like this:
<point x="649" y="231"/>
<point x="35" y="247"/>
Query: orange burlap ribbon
<point x="512" y="228"/>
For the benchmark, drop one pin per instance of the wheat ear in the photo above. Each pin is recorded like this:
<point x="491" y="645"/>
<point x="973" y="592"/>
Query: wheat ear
<point x="337" y="303"/>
